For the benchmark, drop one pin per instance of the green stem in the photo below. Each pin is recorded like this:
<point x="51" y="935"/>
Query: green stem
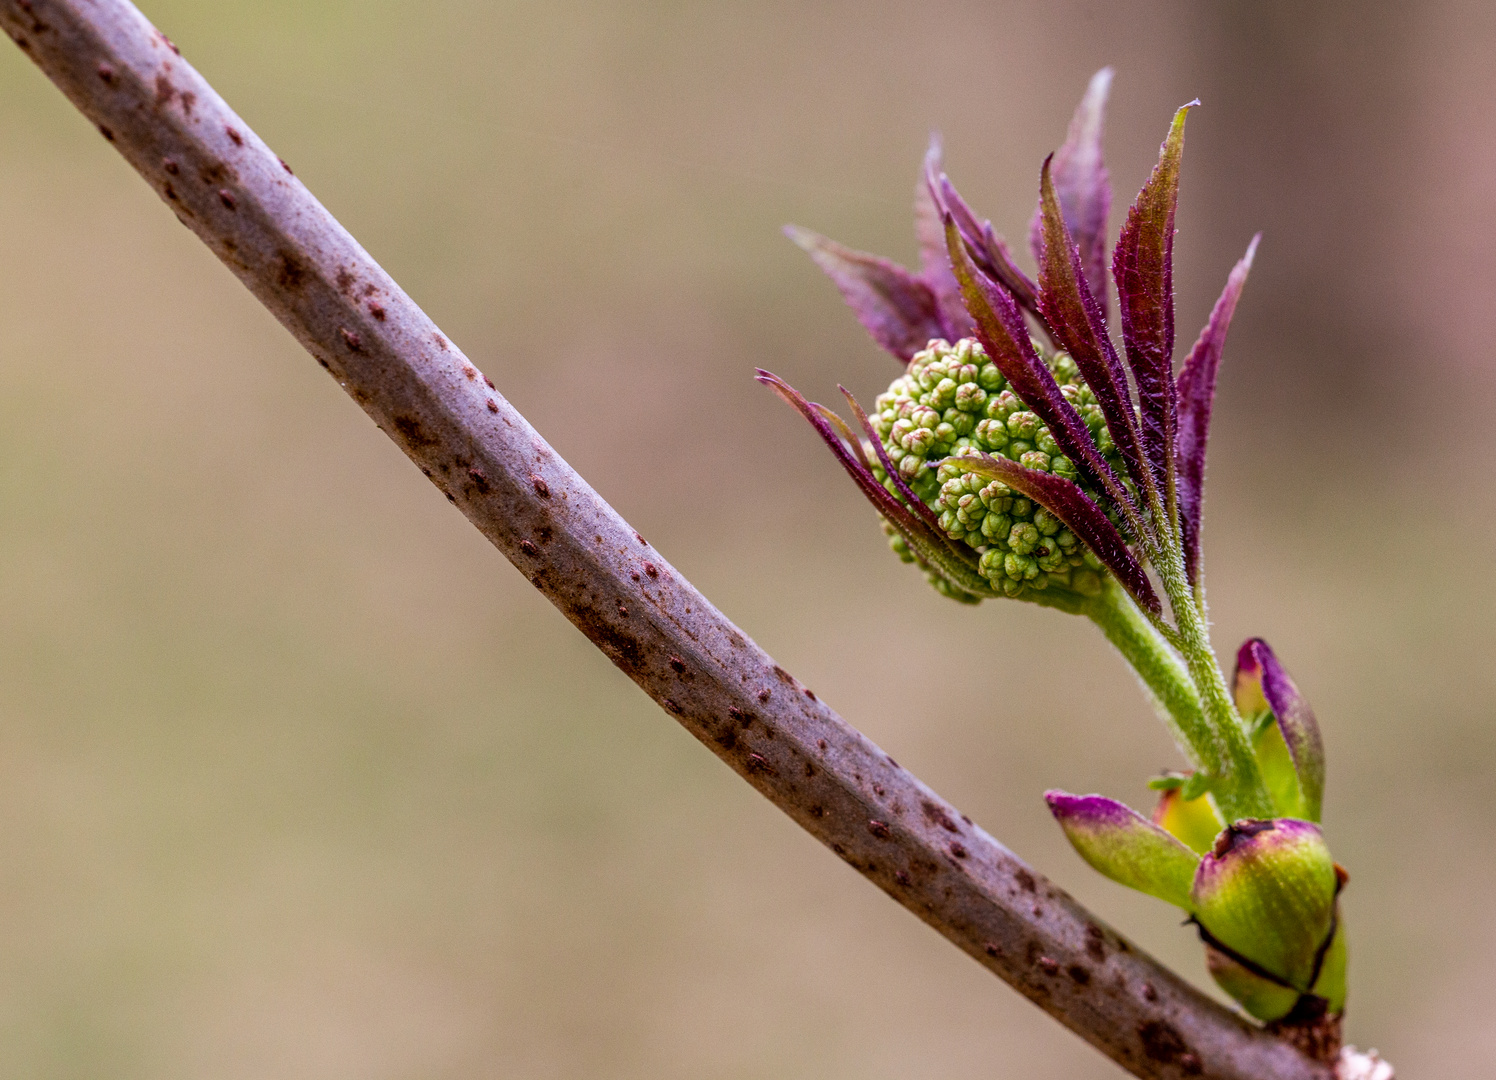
<point x="1240" y="791"/>
<point x="1162" y="671"/>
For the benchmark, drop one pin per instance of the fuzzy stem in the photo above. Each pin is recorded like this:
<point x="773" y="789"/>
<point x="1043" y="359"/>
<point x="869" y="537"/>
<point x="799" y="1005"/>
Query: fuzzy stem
<point x="229" y="188"/>
<point x="1162" y="671"/>
<point x="1239" y="789"/>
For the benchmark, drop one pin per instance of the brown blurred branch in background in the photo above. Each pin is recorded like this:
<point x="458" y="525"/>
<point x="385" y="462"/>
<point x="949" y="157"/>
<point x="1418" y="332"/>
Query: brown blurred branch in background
<point x="227" y="186"/>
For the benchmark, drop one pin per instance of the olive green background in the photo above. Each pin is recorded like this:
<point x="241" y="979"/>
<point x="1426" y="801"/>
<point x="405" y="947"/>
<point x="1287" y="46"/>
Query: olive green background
<point x="298" y="778"/>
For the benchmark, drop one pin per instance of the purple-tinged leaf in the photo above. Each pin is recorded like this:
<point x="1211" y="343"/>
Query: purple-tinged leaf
<point x="853" y="442"/>
<point x="890" y="470"/>
<point x="935" y="260"/>
<point x="1004" y="335"/>
<point x="1262" y="683"/>
<point x="1197" y="383"/>
<point x="1125" y="846"/>
<point x="932" y="547"/>
<point x="988" y="250"/>
<point x="1143" y="265"/>
<point x="1068" y="307"/>
<point x="895" y="306"/>
<point x="1084" y="187"/>
<point x="1076" y="512"/>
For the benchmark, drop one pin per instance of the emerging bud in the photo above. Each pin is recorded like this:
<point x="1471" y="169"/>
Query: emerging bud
<point x="1265" y="899"/>
<point x="1125" y="846"/>
<point x="1186" y="815"/>
<point x="1288" y="745"/>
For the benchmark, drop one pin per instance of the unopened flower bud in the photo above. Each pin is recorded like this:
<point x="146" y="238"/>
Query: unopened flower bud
<point x="953" y="402"/>
<point x="1265" y="900"/>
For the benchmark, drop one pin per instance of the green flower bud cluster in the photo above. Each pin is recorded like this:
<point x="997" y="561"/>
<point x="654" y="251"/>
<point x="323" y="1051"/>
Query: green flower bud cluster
<point x="953" y="401"/>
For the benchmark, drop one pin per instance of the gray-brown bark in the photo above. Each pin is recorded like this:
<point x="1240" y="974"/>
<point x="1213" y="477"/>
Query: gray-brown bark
<point x="227" y="186"/>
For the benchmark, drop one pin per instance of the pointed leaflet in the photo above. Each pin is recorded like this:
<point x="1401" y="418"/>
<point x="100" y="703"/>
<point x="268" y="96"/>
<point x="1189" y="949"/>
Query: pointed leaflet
<point x="935" y="261"/>
<point x="1068" y="307"/>
<point x="1084" y="187"/>
<point x="1077" y="513"/>
<point x="895" y="306"/>
<point x="1125" y="846"/>
<point x="1197" y="383"/>
<point x="911" y="500"/>
<point x="1004" y="334"/>
<point x="985" y="247"/>
<point x="933" y="549"/>
<point x="1143" y="265"/>
<point x="1261" y="683"/>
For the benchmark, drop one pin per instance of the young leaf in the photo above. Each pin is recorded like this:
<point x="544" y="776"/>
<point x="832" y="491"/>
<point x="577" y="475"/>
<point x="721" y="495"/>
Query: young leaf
<point x="1125" y="846"/>
<point x="1261" y="682"/>
<point x="1004" y="334"/>
<point x="1068" y="307"/>
<point x="1197" y="383"/>
<point x="934" y="550"/>
<point x="934" y="259"/>
<point x="1084" y="187"/>
<point x="1143" y="266"/>
<point x="986" y="249"/>
<point x="897" y="308"/>
<point x="1077" y="513"/>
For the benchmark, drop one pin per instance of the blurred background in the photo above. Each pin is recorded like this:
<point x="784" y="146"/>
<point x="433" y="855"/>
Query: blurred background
<point x="299" y="778"/>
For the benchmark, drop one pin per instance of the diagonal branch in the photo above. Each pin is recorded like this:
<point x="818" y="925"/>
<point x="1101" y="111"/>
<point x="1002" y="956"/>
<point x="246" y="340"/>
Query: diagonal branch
<point x="232" y="191"/>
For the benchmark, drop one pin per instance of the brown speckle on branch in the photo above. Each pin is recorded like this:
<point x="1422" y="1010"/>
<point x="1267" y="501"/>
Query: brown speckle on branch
<point x="291" y="275"/>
